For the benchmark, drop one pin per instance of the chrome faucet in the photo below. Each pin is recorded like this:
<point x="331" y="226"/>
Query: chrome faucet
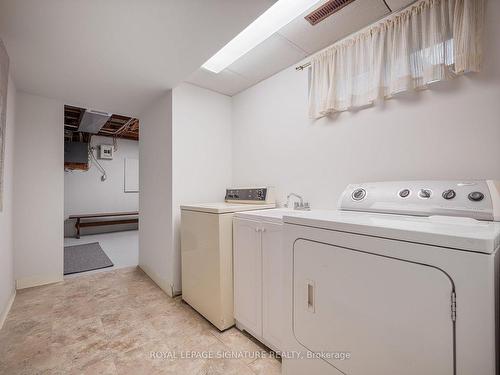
<point x="301" y="205"/>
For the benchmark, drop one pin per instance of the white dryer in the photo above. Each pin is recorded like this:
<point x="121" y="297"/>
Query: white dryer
<point x="403" y="279"/>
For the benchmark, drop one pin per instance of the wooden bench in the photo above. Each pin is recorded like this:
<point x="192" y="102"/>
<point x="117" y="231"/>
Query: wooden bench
<point x="119" y="218"/>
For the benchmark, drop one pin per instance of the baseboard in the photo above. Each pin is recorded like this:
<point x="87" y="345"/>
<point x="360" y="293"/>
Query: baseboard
<point x="29" y="282"/>
<point x="161" y="282"/>
<point x="5" y="312"/>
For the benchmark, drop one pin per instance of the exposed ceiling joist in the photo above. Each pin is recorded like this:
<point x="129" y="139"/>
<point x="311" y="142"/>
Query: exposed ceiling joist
<point x="117" y="126"/>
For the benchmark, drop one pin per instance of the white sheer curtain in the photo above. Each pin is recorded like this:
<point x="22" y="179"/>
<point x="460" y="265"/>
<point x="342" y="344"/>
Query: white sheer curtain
<point x="431" y="41"/>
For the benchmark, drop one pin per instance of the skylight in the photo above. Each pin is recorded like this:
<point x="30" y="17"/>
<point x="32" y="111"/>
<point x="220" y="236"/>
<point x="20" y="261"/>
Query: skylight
<point x="277" y="16"/>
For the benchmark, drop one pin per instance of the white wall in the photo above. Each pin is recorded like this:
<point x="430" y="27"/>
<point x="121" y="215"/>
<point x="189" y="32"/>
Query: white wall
<point x="7" y="284"/>
<point x="84" y="192"/>
<point x="185" y="157"/>
<point x="449" y="132"/>
<point x="39" y="190"/>
<point x="155" y="200"/>
<point x="201" y="153"/>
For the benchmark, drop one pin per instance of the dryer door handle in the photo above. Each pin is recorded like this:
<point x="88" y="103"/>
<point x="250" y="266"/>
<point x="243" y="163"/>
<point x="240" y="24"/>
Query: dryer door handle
<point x="310" y="295"/>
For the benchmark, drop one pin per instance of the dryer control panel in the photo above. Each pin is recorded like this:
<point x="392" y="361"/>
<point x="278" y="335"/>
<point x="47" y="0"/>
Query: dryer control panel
<point x="263" y="195"/>
<point x="478" y="199"/>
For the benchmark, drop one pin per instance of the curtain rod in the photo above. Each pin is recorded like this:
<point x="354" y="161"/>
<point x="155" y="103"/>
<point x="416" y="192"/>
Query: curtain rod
<point x="303" y="66"/>
<point x="308" y="63"/>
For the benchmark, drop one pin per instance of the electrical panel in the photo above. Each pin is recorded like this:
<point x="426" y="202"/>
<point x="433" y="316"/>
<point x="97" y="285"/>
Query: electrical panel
<point x="106" y="152"/>
<point x="76" y="152"/>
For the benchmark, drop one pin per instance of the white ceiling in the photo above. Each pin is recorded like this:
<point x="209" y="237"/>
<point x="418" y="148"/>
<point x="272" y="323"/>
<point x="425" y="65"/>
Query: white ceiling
<point x="292" y="44"/>
<point x="117" y="55"/>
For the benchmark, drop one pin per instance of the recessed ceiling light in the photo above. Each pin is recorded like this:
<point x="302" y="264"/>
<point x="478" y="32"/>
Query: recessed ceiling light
<point x="278" y="15"/>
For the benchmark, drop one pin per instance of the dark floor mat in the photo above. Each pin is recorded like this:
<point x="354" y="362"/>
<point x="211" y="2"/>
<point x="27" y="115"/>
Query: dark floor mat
<point x="86" y="257"/>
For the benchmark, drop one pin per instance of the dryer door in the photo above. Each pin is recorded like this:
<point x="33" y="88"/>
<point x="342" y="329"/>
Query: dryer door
<point x="392" y="316"/>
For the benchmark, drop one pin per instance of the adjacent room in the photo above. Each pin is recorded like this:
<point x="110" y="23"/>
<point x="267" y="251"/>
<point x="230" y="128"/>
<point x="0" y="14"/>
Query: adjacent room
<point x="101" y="190"/>
<point x="254" y="187"/>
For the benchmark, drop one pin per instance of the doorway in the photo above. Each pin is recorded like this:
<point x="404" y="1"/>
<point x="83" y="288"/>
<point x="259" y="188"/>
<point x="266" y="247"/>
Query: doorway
<point x="101" y="190"/>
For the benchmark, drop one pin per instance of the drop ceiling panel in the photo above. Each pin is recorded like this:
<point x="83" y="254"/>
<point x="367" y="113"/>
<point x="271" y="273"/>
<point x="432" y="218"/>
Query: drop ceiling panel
<point x="396" y="5"/>
<point x="225" y="82"/>
<point x="268" y="58"/>
<point x="349" y="19"/>
<point x="292" y="44"/>
<point x="116" y="55"/>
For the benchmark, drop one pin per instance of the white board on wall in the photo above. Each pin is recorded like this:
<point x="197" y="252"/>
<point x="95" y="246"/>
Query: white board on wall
<point x="131" y="175"/>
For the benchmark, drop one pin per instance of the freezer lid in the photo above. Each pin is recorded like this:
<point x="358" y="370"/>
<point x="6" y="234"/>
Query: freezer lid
<point x="452" y="232"/>
<point x="223" y="207"/>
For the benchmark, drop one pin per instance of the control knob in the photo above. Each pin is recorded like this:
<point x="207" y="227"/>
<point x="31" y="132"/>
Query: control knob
<point x="476" y="196"/>
<point x="425" y="193"/>
<point x="359" y="194"/>
<point x="449" y="194"/>
<point x="404" y="193"/>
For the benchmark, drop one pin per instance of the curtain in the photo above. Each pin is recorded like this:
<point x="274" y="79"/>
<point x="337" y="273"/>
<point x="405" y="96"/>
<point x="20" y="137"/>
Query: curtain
<point x="430" y="41"/>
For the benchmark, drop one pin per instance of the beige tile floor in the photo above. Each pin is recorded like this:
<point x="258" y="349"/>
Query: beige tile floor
<point x="112" y="323"/>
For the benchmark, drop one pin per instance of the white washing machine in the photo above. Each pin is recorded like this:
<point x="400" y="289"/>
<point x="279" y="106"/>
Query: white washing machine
<point x="403" y="279"/>
<point x="207" y="252"/>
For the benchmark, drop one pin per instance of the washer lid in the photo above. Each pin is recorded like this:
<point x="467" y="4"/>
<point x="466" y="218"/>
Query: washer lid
<point x="453" y="232"/>
<point x="223" y="207"/>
